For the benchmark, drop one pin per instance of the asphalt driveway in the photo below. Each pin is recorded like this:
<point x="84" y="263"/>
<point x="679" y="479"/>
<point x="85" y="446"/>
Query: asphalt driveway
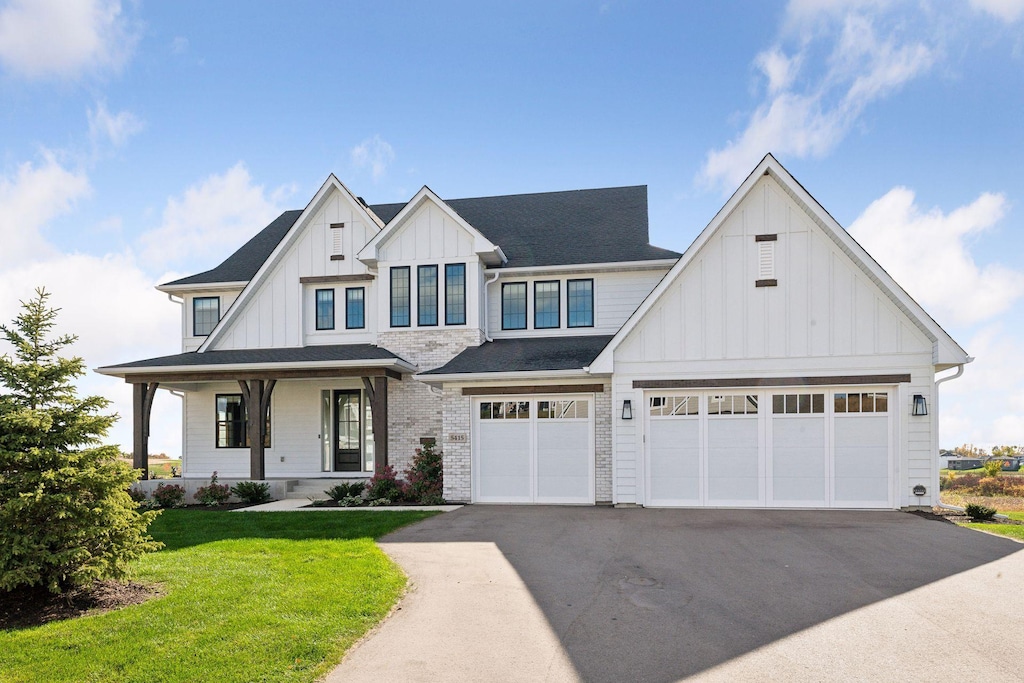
<point x="598" y="594"/>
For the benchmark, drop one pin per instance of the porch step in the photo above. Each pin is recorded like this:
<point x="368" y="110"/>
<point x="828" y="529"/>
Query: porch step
<point x="312" y="488"/>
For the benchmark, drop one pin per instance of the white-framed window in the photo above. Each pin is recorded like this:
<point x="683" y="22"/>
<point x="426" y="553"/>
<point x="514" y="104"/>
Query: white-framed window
<point x="674" y="406"/>
<point x="732" y="404"/>
<point x="798" y="404"/>
<point x="861" y="402"/>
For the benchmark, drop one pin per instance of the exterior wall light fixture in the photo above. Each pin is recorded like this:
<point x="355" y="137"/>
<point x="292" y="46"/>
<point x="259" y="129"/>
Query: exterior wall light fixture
<point x="920" y="405"/>
<point x="627" y="409"/>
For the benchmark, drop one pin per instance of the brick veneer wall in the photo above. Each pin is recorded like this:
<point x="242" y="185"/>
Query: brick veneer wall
<point x="414" y="410"/>
<point x="603" y="443"/>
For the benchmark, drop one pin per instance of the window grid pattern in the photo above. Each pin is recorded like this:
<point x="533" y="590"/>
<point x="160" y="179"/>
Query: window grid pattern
<point x="674" y="406"/>
<point x="572" y="409"/>
<point x="546" y="309"/>
<point x="232" y="422"/>
<point x="426" y="294"/>
<point x="455" y="294"/>
<point x="325" y="309"/>
<point x="580" y="295"/>
<point x="868" y="402"/>
<point x="400" y="297"/>
<point x="732" y="404"/>
<point x="513" y="306"/>
<point x="355" y="308"/>
<point x="205" y="315"/>
<point x="798" y="404"/>
<point x="505" y="410"/>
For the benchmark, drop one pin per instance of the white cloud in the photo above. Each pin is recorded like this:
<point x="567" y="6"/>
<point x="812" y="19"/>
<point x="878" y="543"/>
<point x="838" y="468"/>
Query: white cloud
<point x="928" y="252"/>
<point x="375" y="153"/>
<point x="29" y="199"/>
<point x="1004" y="10"/>
<point x="865" y="64"/>
<point x="179" y="45"/>
<point x="115" y="128"/>
<point x="64" y="38"/>
<point x="211" y="219"/>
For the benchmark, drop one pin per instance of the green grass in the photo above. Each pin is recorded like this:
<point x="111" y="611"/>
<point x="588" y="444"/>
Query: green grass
<point x="1010" y="530"/>
<point x="247" y="597"/>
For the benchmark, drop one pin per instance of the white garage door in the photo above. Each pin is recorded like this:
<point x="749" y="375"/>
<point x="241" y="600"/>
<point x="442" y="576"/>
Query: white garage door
<point x="534" y="450"/>
<point x="808" y="447"/>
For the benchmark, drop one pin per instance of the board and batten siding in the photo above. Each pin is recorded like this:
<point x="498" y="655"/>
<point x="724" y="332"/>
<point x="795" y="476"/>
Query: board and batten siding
<point x="824" y="317"/>
<point x="616" y="296"/>
<point x="273" y="314"/>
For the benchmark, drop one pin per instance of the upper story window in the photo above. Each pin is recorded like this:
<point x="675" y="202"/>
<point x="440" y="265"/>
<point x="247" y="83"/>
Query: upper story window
<point x="455" y="294"/>
<point x="580" y="295"/>
<point x="205" y="315"/>
<point x="355" y="312"/>
<point x="325" y="309"/>
<point x="546" y="309"/>
<point x="426" y="295"/>
<point x="513" y="306"/>
<point x="400" y="297"/>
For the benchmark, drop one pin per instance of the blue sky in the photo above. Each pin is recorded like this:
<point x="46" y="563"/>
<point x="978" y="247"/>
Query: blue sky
<point x="140" y="141"/>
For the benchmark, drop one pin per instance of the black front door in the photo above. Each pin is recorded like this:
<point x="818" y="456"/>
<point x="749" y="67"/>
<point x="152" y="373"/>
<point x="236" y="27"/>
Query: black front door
<point x="347" y="434"/>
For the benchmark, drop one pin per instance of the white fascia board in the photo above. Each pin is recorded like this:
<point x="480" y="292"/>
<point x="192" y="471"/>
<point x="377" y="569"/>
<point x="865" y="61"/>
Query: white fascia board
<point x="332" y="183"/>
<point x="395" y="363"/>
<point x="572" y="268"/>
<point x="202" y="287"/>
<point x="489" y="252"/>
<point x="506" y="377"/>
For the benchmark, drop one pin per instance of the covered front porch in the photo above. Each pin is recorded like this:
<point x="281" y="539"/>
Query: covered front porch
<point x="322" y="412"/>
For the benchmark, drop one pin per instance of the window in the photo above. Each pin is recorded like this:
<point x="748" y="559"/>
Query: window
<point x="505" y="410"/>
<point x="562" y="409"/>
<point x="513" y="306"/>
<point x="580" y="294"/>
<point x="231" y="422"/>
<point x="546" y="313"/>
<point x="205" y="315"/>
<point x="732" y="405"/>
<point x="674" y="406"/>
<point x="355" y="317"/>
<point x="455" y="294"/>
<point x="325" y="309"/>
<point x="798" y="404"/>
<point x="400" y="297"/>
<point x="426" y="295"/>
<point x="871" y="402"/>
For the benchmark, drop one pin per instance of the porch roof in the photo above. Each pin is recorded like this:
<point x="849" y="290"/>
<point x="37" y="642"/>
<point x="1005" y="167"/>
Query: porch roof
<point x="536" y="354"/>
<point x="333" y="360"/>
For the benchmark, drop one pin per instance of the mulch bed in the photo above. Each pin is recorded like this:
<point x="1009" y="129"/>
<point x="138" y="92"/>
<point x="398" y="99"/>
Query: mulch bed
<point x="955" y="517"/>
<point x="27" y="607"/>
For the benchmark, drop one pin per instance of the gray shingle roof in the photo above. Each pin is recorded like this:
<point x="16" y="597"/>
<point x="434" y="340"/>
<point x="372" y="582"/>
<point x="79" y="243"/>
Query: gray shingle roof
<point x="242" y="265"/>
<point x="305" y="354"/>
<point x="526" y="355"/>
<point x="558" y="228"/>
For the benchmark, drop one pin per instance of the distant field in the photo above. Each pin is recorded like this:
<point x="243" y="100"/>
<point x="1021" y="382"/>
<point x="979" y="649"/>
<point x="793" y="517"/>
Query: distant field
<point x="160" y="468"/>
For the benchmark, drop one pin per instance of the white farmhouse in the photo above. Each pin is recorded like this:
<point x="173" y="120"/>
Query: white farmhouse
<point x="557" y="357"/>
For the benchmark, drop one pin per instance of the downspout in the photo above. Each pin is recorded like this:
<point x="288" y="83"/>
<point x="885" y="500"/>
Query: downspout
<point x="487" y="311"/>
<point x="935" y="427"/>
<point x="180" y="302"/>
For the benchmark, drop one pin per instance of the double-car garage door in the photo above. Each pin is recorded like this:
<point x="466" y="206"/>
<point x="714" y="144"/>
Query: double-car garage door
<point x="534" y="449"/>
<point x="806" y="447"/>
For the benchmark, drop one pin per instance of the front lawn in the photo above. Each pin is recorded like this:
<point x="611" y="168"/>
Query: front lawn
<point x="246" y="597"/>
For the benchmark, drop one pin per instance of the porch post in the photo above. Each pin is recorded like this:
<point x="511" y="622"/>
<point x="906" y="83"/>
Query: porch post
<point x="256" y="396"/>
<point x="142" y="408"/>
<point x="379" y="412"/>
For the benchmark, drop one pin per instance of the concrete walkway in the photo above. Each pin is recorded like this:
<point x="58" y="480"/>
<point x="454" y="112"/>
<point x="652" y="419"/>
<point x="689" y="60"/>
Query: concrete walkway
<point x="299" y="505"/>
<point x="598" y="594"/>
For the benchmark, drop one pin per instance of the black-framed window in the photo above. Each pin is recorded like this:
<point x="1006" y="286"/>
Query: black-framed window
<point x="325" y="309"/>
<point x="580" y="296"/>
<point x="232" y="421"/>
<point x="355" y="310"/>
<point x="513" y="306"/>
<point x="205" y="315"/>
<point x="400" y="296"/>
<point x="426" y="296"/>
<point x="546" y="308"/>
<point x="455" y="294"/>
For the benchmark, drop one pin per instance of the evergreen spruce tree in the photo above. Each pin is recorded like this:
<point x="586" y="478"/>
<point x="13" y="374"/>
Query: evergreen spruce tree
<point x="66" y="518"/>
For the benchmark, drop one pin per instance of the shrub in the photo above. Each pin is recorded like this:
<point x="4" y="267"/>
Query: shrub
<point x="138" y="495"/>
<point x="214" y="493"/>
<point x="66" y="517"/>
<point x="426" y="476"/>
<point x="993" y="467"/>
<point x="384" y="484"/>
<point x="346" y="490"/>
<point x="351" y="501"/>
<point x="169" y="495"/>
<point x="979" y="512"/>
<point x="252" y="492"/>
<point x="377" y="502"/>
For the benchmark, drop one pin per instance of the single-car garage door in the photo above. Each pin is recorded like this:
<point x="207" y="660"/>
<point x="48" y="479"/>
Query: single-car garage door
<point x="806" y="447"/>
<point x="537" y="449"/>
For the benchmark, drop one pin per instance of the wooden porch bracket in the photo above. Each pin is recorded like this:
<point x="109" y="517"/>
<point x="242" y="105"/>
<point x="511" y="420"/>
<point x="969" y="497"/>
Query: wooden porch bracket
<point x="377" y="391"/>
<point x="256" y="396"/>
<point x="142" y="408"/>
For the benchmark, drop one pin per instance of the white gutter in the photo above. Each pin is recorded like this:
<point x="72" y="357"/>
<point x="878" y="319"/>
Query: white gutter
<point x="228" y="367"/>
<point x="935" y="431"/>
<point x="659" y="264"/>
<point x="530" y="375"/>
<point x="203" y="287"/>
<point x="487" y="311"/>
